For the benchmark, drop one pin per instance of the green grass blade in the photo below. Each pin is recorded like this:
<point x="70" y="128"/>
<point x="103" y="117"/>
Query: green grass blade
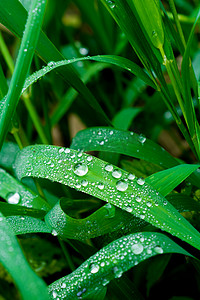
<point x="17" y="210"/>
<point x="115" y="186"/>
<point x="27" y="224"/>
<point x="7" y="155"/>
<point x="11" y="256"/>
<point x="111" y="262"/>
<point x="14" y="192"/>
<point x="123" y="142"/>
<point x="26" y="52"/>
<point x="124" y="118"/>
<point x="165" y="181"/>
<point x="13" y="16"/>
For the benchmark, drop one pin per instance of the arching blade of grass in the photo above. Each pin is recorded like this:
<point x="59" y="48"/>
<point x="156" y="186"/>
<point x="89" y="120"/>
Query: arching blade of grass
<point x="13" y="16"/>
<point x="128" y="143"/>
<point x="27" y="224"/>
<point x="106" y="219"/>
<point x="11" y="256"/>
<point x="123" y="142"/>
<point x="93" y="176"/>
<point x="29" y="41"/>
<point x="111" y="262"/>
<point x="14" y="192"/>
<point x="165" y="181"/>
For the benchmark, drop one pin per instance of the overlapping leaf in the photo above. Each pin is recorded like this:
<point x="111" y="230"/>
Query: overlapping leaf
<point x="93" y="176"/>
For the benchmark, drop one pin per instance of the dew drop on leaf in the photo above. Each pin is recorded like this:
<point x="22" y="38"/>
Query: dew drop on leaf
<point x="117" y="272"/>
<point x="13" y="198"/>
<point x="131" y="176"/>
<point x="80" y="169"/>
<point x="100" y="186"/>
<point x="116" y="173"/>
<point x="54" y="232"/>
<point x="158" y="249"/>
<point x="109" y="168"/>
<point x="137" y="248"/>
<point x="121" y="185"/>
<point x="94" y="268"/>
<point x="140" y="181"/>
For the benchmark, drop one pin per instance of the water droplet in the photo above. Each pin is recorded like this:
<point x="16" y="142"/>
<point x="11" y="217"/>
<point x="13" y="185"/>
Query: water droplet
<point x="141" y="139"/>
<point x="121" y="185"/>
<point x="140" y="181"/>
<point x="84" y="182"/>
<point x="116" y="173"/>
<point x="83" y="51"/>
<point x="117" y="272"/>
<point x="110" y="211"/>
<point x="101" y="143"/>
<point x="63" y="285"/>
<point x="105" y="282"/>
<point x="109" y="168"/>
<point x="13" y="198"/>
<point x="54" y="232"/>
<point x="131" y="176"/>
<point x="100" y="186"/>
<point x="51" y="64"/>
<point x="111" y="132"/>
<point x="129" y="209"/>
<point x="67" y="150"/>
<point x="89" y="158"/>
<point x="79" y="294"/>
<point x="94" y="268"/>
<point x="137" y="248"/>
<point x="80" y="169"/>
<point x="111" y="3"/>
<point x="149" y="204"/>
<point x="138" y="199"/>
<point x="154" y="34"/>
<point x="158" y="249"/>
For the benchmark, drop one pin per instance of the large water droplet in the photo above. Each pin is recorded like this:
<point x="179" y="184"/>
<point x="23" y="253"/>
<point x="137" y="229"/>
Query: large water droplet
<point x="110" y="210"/>
<point x="100" y="186"/>
<point x="116" y="173"/>
<point x="109" y="168"/>
<point x="80" y="169"/>
<point x="94" y="268"/>
<point x="13" y="198"/>
<point x="137" y="248"/>
<point x="158" y="249"/>
<point x="131" y="176"/>
<point x="54" y="232"/>
<point x="141" y="139"/>
<point x="117" y="272"/>
<point x="121" y="185"/>
<point x="141" y="181"/>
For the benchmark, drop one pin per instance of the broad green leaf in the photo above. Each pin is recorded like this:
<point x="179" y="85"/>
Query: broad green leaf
<point x="165" y="181"/>
<point x="26" y="224"/>
<point x="128" y="143"/>
<point x="111" y="262"/>
<point x="26" y="52"/>
<point x="14" y="192"/>
<point x="13" y="16"/>
<point x="123" y="142"/>
<point x="11" y="256"/>
<point x="95" y="177"/>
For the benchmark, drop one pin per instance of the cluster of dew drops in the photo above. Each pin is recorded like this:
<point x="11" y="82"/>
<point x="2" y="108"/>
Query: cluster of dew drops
<point x="110" y="262"/>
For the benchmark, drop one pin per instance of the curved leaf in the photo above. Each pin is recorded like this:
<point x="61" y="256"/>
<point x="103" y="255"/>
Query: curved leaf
<point x="11" y="256"/>
<point x="111" y="262"/>
<point x="17" y="210"/>
<point x="93" y="176"/>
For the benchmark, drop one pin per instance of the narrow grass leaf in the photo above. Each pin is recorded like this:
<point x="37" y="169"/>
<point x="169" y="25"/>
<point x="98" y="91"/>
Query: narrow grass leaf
<point x="17" y="210"/>
<point x="13" y="16"/>
<point x="7" y="155"/>
<point x="124" y="118"/>
<point x="123" y="142"/>
<point x="26" y="52"/>
<point x="111" y="262"/>
<point x="11" y="256"/>
<point x="27" y="224"/>
<point x="167" y="180"/>
<point x="183" y="202"/>
<point x="14" y="192"/>
<point x="105" y="182"/>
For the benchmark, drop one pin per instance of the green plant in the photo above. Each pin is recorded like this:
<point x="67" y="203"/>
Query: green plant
<point x="152" y="204"/>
